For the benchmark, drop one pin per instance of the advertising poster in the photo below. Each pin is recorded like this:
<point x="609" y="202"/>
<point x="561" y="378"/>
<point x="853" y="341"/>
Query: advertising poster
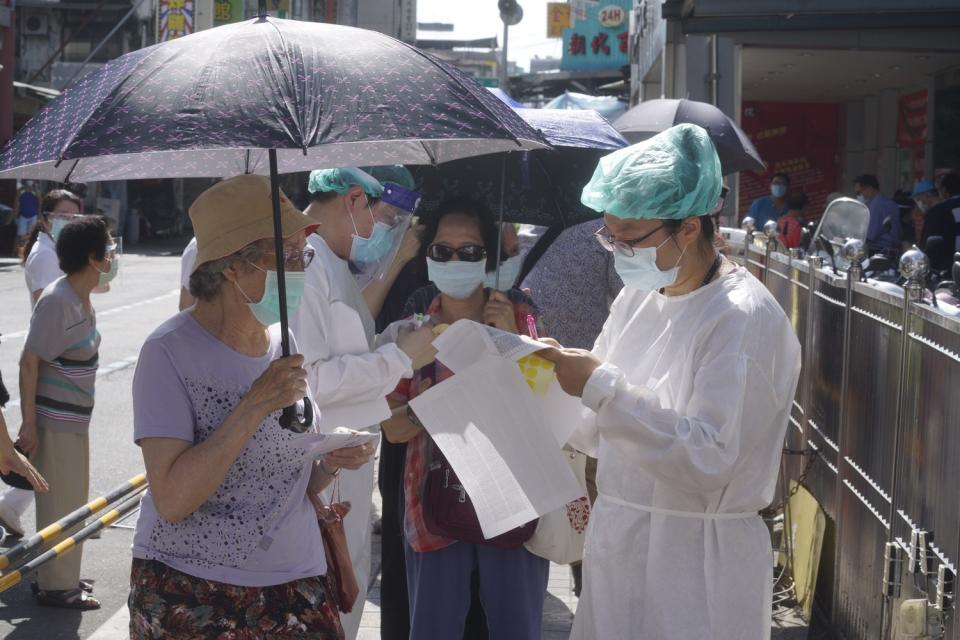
<point x="558" y="19"/>
<point x="801" y="140"/>
<point x="912" y="122"/>
<point x="175" y="19"/>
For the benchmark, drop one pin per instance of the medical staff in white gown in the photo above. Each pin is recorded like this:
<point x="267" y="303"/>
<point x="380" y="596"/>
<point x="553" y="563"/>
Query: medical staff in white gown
<point x="335" y="332"/>
<point x="686" y="395"/>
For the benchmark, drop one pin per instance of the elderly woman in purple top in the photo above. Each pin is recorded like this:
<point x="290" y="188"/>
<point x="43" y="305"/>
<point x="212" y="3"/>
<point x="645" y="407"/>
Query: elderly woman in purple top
<point x="227" y="544"/>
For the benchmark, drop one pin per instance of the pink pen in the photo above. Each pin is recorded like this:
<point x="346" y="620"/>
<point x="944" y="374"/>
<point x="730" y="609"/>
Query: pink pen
<point x="532" y="327"/>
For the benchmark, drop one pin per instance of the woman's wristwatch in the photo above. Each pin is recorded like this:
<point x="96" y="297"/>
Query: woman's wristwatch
<point x="412" y="417"/>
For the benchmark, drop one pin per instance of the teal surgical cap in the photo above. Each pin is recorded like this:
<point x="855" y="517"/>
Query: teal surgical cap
<point x="341" y="179"/>
<point x="395" y="173"/>
<point x="673" y="175"/>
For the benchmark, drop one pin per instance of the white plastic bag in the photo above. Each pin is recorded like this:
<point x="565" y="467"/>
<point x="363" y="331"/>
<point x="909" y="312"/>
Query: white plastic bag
<point x="560" y="533"/>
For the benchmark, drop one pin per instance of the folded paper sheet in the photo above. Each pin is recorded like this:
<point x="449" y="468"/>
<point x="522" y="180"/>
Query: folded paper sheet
<point x="465" y="341"/>
<point x="492" y="430"/>
<point x="318" y="444"/>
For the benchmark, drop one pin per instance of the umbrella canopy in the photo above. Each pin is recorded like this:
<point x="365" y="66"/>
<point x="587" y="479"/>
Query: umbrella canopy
<point x="505" y="97"/>
<point x="653" y="116"/>
<point x="211" y="104"/>
<point x="264" y="96"/>
<point x="537" y="187"/>
<point x="607" y="106"/>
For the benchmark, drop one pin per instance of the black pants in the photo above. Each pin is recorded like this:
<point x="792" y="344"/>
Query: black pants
<point x="394" y="606"/>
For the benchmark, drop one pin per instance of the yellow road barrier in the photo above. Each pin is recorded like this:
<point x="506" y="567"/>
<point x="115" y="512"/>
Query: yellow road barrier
<point x="64" y="546"/>
<point x="48" y="533"/>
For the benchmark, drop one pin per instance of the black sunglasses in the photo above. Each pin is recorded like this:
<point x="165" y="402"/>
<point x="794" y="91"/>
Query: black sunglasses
<point x="466" y="253"/>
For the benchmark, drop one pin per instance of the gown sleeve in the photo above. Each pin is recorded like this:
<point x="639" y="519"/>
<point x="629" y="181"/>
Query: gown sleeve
<point x="586" y="438"/>
<point x="699" y="449"/>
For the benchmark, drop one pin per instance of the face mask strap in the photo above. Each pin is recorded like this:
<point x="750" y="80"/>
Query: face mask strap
<point x="373" y="219"/>
<point x="266" y="274"/>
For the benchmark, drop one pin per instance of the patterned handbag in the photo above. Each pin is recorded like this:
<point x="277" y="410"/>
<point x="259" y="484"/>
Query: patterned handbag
<point x="560" y="533"/>
<point x="339" y="565"/>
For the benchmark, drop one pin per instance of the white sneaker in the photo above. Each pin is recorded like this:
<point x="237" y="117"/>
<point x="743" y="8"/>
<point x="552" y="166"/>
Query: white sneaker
<point x="10" y="519"/>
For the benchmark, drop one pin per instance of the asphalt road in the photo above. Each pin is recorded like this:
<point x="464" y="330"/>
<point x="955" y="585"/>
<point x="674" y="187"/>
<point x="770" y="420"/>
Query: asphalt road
<point x="143" y="296"/>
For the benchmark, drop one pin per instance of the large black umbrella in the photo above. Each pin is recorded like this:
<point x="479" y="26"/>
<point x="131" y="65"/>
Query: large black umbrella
<point x="536" y="187"/>
<point x="264" y="96"/>
<point x="653" y="116"/>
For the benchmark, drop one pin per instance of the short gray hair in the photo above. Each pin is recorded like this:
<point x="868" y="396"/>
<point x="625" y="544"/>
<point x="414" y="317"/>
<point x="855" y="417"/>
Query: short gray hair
<point x="208" y="279"/>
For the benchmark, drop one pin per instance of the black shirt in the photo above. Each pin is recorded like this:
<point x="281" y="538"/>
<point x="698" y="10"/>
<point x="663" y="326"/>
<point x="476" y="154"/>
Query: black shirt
<point x="941" y="220"/>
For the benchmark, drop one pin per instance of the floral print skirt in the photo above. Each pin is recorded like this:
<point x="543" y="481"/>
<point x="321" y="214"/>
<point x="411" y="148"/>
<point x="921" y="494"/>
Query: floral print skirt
<point x="166" y="603"/>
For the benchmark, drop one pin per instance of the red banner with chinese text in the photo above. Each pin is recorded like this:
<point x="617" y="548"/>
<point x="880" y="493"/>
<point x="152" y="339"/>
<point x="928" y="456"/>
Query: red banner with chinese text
<point x="912" y="125"/>
<point x="799" y="139"/>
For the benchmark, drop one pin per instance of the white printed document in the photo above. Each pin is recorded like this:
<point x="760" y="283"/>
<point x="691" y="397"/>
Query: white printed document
<point x="465" y="342"/>
<point x="488" y="424"/>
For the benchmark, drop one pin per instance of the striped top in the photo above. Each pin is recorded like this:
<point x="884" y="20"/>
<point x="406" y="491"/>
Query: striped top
<point x="65" y="338"/>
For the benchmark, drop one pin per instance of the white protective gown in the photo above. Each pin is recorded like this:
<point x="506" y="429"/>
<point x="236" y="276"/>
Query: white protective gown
<point x="688" y="416"/>
<point x="350" y="382"/>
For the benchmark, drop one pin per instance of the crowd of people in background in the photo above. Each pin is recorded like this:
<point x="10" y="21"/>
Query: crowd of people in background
<point x="928" y="216"/>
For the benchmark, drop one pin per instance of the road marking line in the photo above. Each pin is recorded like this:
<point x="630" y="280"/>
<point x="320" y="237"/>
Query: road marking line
<point x="101" y="314"/>
<point x="116" y="628"/>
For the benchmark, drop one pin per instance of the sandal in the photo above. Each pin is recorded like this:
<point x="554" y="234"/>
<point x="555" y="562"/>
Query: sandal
<point x="86" y="585"/>
<point x="73" y="599"/>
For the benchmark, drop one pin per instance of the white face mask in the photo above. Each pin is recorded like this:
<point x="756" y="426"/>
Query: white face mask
<point x="509" y="270"/>
<point x="456" y="278"/>
<point x="640" y="271"/>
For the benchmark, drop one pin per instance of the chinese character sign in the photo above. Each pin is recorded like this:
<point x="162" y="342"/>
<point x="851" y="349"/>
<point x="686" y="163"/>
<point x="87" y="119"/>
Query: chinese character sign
<point x="600" y="40"/>
<point x="175" y="19"/>
<point x="227" y="11"/>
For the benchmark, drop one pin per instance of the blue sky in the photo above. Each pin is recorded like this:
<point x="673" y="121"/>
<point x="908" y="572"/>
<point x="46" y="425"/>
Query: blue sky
<point x="481" y="18"/>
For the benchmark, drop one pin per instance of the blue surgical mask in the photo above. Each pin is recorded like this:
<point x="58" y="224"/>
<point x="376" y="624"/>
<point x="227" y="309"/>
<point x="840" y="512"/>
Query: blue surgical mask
<point x="56" y="226"/>
<point x="111" y="273"/>
<point x="640" y="271"/>
<point x="778" y="190"/>
<point x="509" y="270"/>
<point x="456" y="278"/>
<point x="267" y="310"/>
<point x="365" y="250"/>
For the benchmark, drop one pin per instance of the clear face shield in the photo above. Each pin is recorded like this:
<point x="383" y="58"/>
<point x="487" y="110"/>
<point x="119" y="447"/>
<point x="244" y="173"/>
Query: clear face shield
<point x="392" y="215"/>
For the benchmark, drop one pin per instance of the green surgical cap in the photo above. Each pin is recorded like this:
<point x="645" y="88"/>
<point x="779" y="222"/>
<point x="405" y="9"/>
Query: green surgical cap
<point x="673" y="175"/>
<point x="395" y="173"/>
<point x="341" y="179"/>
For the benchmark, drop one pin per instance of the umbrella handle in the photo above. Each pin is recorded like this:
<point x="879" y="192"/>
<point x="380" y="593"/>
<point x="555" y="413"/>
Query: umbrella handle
<point x="290" y="419"/>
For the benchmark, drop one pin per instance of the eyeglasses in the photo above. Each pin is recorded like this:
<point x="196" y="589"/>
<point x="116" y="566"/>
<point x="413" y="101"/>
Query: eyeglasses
<point x="623" y="247"/>
<point x="466" y="253"/>
<point x="295" y="259"/>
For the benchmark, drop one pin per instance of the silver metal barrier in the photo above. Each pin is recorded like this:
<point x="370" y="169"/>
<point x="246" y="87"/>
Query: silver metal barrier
<point x="879" y="400"/>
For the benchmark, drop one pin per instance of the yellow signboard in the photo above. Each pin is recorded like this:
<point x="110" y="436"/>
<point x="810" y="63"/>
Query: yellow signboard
<point x="558" y="19"/>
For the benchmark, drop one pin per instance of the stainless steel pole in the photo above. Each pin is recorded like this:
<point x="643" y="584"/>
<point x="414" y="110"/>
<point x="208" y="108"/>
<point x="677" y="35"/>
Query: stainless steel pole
<point x="915" y="266"/>
<point x="853" y="251"/>
<point x="504" y="76"/>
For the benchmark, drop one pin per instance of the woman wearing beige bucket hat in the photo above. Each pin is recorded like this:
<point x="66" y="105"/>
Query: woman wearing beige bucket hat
<point x="227" y="538"/>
